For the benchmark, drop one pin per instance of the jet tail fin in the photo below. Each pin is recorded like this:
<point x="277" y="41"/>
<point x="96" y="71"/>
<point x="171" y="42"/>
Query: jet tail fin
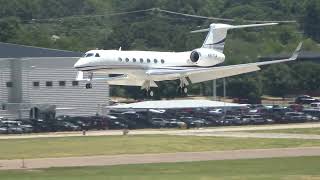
<point x="218" y="34"/>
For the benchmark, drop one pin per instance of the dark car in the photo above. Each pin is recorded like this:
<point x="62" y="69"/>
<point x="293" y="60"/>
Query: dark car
<point x="296" y="117"/>
<point x="194" y="122"/>
<point x="253" y="119"/>
<point x="234" y="120"/>
<point x="159" y="123"/>
<point x="305" y="99"/>
<point x="67" y="126"/>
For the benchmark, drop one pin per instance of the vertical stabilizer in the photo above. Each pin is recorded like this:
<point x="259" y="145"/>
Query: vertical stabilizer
<point x="217" y="35"/>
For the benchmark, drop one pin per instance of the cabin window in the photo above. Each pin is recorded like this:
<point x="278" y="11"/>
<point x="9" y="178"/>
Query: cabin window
<point x="49" y="83"/>
<point x="162" y="61"/>
<point x="134" y="60"/>
<point x="155" y="61"/>
<point x="120" y="59"/>
<point x="97" y="55"/>
<point x="148" y="60"/>
<point x="127" y="60"/>
<point x="36" y="84"/>
<point x="141" y="60"/>
<point x="62" y="83"/>
<point x="75" y="83"/>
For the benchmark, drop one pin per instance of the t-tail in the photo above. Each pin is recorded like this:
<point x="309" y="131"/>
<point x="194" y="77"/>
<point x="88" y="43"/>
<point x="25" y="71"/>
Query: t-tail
<point x="217" y="35"/>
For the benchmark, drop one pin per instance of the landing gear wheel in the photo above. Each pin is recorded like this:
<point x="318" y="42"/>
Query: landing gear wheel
<point x="185" y="90"/>
<point x="151" y="93"/>
<point x="88" y="86"/>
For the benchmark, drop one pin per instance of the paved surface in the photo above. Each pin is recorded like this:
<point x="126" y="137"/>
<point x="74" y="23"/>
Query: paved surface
<point x="254" y="135"/>
<point x="156" y="158"/>
<point x="209" y="131"/>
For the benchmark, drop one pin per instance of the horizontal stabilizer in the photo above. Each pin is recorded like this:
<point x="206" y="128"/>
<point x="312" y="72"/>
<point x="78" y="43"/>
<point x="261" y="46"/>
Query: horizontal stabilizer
<point x="227" y="26"/>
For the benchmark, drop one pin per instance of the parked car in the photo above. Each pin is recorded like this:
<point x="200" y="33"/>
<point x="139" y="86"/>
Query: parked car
<point x="216" y="111"/>
<point x="253" y="119"/>
<point x="297" y="117"/>
<point x="312" y="112"/>
<point x="194" y="122"/>
<point x="3" y="130"/>
<point x="26" y="128"/>
<point x="315" y="105"/>
<point x="159" y="122"/>
<point x="234" y="120"/>
<point x="66" y="126"/>
<point x="305" y="99"/>
<point x="175" y="123"/>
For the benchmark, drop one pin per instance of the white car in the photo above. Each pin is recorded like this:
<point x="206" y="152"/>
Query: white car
<point x="216" y="111"/>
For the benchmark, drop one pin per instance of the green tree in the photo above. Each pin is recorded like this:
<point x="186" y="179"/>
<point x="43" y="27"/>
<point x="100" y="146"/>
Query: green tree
<point x="311" y="19"/>
<point x="278" y="80"/>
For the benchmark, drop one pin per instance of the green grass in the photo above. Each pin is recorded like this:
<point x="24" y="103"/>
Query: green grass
<point x="112" y="145"/>
<point x="315" y="131"/>
<point x="265" y="169"/>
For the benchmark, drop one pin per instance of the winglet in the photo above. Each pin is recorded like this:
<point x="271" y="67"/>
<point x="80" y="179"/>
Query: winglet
<point x="296" y="52"/>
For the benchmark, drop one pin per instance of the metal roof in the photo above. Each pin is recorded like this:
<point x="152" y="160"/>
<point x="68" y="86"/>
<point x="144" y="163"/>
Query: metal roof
<point x="175" y="104"/>
<point x="8" y="50"/>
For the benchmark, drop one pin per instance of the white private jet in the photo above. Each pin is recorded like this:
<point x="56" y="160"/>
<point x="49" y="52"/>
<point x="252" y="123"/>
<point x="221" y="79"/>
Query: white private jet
<point x="145" y="68"/>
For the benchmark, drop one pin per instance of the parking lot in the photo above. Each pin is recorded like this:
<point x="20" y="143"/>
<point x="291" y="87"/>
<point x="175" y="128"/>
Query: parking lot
<point x="308" y="110"/>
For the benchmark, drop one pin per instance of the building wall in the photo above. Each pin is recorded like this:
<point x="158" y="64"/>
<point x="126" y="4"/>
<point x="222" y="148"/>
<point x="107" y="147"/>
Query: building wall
<point x="69" y="100"/>
<point x="5" y="76"/>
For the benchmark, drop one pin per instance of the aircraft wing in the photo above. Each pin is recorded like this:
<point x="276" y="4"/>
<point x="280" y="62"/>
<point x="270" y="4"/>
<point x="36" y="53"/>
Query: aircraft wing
<point x="197" y="75"/>
<point x="130" y="81"/>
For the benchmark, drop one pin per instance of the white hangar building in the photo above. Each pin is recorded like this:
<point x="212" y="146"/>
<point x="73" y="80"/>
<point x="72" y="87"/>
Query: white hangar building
<point x="35" y="80"/>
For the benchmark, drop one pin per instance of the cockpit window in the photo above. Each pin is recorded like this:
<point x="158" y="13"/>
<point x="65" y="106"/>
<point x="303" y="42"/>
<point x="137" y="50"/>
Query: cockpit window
<point x="89" y="55"/>
<point x="97" y="55"/>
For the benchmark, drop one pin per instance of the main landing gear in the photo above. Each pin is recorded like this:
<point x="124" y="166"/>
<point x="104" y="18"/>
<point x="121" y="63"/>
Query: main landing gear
<point x="183" y="85"/>
<point x="147" y="87"/>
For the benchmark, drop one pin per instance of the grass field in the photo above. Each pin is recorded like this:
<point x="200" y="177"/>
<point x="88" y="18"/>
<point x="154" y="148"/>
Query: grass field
<point x="315" y="131"/>
<point x="302" y="168"/>
<point x="112" y="145"/>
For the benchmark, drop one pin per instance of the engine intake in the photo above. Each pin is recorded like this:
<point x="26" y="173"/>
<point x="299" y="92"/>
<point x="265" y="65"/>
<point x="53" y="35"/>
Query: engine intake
<point x="205" y="57"/>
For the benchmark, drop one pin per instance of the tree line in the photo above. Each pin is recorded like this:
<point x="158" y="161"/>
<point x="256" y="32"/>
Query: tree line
<point x="74" y="22"/>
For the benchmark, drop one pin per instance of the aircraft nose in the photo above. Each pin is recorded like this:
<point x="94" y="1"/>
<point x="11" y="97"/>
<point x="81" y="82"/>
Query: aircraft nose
<point x="79" y="64"/>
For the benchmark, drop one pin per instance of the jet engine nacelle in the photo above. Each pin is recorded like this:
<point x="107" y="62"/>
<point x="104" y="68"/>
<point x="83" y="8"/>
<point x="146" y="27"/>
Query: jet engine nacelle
<point x="206" y="57"/>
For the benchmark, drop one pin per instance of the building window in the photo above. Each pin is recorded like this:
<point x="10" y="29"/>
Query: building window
<point x="9" y="84"/>
<point x="148" y="60"/>
<point x="134" y="60"/>
<point x="162" y="61"/>
<point x="155" y="61"/>
<point x="49" y="84"/>
<point x="141" y="60"/>
<point x="3" y="107"/>
<point x="75" y="83"/>
<point x="36" y="84"/>
<point x="62" y="83"/>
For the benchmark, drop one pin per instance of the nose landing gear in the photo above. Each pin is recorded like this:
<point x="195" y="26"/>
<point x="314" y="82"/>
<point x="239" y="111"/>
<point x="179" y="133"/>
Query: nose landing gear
<point x="89" y="84"/>
<point x="146" y="86"/>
